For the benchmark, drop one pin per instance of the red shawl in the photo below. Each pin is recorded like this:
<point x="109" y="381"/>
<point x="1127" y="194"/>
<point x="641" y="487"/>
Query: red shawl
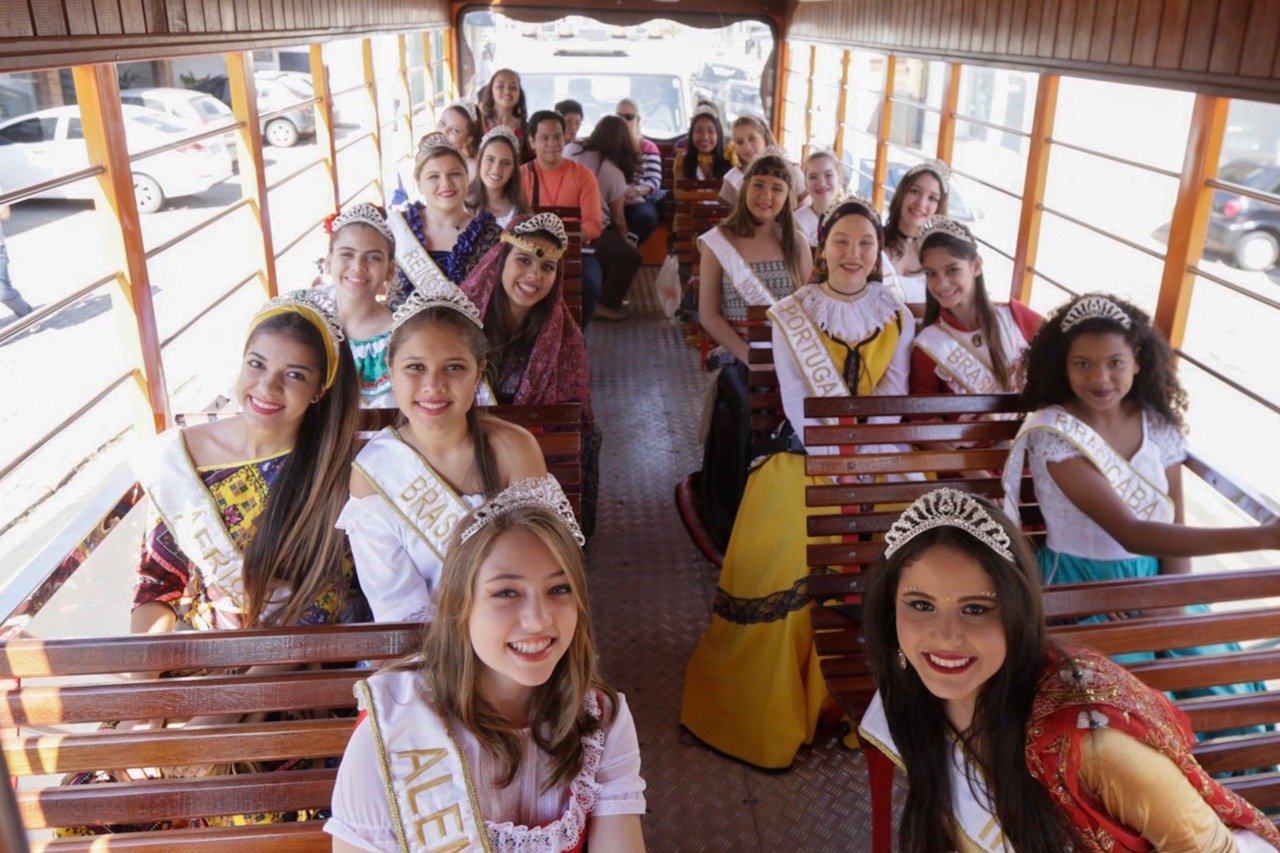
<point x="1081" y="684"/>
<point x="557" y="368"/>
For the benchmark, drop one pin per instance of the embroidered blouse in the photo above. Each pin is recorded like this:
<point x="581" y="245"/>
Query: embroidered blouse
<point x="774" y="275"/>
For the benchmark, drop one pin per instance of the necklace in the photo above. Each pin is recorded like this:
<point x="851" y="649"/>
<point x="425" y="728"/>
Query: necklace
<point x="913" y="239"/>
<point x="848" y="294"/>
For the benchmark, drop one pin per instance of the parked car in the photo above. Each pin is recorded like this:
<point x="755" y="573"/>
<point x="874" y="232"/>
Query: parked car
<point x="277" y="90"/>
<point x="1243" y="228"/>
<point x="48" y="144"/>
<point x="196" y="110"/>
<point x="956" y="207"/>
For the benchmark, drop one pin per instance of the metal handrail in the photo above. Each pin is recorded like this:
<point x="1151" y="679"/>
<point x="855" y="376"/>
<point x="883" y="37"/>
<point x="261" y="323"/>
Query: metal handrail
<point x="1240" y="189"/>
<point x="993" y="247"/>
<point x="1116" y="159"/>
<point x="44" y="311"/>
<point x="305" y="232"/>
<point x="173" y="241"/>
<point x="319" y="161"/>
<point x="186" y="140"/>
<point x="292" y="108"/>
<point x="23" y="193"/>
<point x="1231" y="285"/>
<point x="897" y="99"/>
<point x="366" y="186"/>
<point x="1072" y="293"/>
<point x="1159" y="256"/>
<point x="1002" y="127"/>
<point x="212" y="305"/>
<point x="66" y="422"/>
<point x="970" y="177"/>
<point x="350" y="142"/>
<point x="906" y="149"/>
<point x="1228" y="381"/>
<point x="1242" y="497"/>
<point x="347" y="91"/>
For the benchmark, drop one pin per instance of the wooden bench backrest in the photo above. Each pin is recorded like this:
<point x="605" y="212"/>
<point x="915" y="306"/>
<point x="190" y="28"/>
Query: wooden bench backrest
<point x="697" y="210"/>
<point x="858" y="513"/>
<point x="556" y="426"/>
<point x="56" y="692"/>
<point x="765" y="400"/>
<point x="572" y="282"/>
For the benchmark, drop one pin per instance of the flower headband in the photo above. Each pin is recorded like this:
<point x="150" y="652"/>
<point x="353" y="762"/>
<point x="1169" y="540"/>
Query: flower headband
<point x="547" y="223"/>
<point x="316" y="308"/>
<point x="543" y="492"/>
<point x="948" y="508"/>
<point x="363" y="213"/>
<point x="1093" y="306"/>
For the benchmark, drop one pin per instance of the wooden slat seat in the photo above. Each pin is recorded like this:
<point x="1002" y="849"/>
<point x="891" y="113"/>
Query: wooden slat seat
<point x="56" y="692"/>
<point x="572" y="282"/>
<point x="298" y="837"/>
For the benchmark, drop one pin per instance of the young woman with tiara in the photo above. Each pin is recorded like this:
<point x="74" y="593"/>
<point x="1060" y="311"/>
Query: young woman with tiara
<point x="756" y="256"/>
<point x="361" y="265"/>
<point x="537" y="354"/>
<point x="460" y="123"/>
<point x="496" y="186"/>
<point x="703" y="157"/>
<point x="824" y="181"/>
<point x="241" y="532"/>
<point x="751" y="136"/>
<point x="921" y="193"/>
<point x="753" y="688"/>
<point x="967" y="344"/>
<point x="502" y="102"/>
<point x="1009" y="740"/>
<point x="1105" y="446"/>
<point x="412" y="483"/>
<point x="501" y="735"/>
<point x="439" y="232"/>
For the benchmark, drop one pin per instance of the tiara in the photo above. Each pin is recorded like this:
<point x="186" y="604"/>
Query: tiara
<point x="437" y="292"/>
<point x="948" y="508"/>
<point x="547" y="222"/>
<point x="435" y="139"/>
<point x="705" y="110"/>
<point x="363" y="213"/>
<point x="317" y="308"/>
<point x="542" y="492"/>
<point x="943" y="225"/>
<point x="829" y="218"/>
<point x="467" y="107"/>
<point x="940" y="170"/>
<point x="1093" y="306"/>
<point x="501" y="130"/>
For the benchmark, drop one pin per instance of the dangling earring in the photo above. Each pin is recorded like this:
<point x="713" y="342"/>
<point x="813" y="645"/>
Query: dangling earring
<point x="902" y="659"/>
<point x="316" y="399"/>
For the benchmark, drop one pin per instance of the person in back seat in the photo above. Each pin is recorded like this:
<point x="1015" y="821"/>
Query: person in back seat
<point x="572" y="112"/>
<point x="645" y="188"/>
<point x="921" y="193"/>
<point x="502" y="101"/>
<point x="751" y="136"/>
<point x="1011" y="740"/>
<point x="703" y="157"/>
<point x="496" y="186"/>
<point x="501" y="735"/>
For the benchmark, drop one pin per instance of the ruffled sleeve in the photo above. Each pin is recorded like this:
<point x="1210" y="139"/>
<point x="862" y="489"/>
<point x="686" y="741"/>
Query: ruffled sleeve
<point x="397" y="589"/>
<point x="1050" y="447"/>
<point x="1168" y="439"/>
<point x="361" y="815"/>
<point x="621" y="788"/>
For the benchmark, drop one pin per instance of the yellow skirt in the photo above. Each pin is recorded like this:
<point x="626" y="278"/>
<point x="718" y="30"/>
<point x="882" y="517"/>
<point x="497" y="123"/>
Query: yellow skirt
<point x="753" y="688"/>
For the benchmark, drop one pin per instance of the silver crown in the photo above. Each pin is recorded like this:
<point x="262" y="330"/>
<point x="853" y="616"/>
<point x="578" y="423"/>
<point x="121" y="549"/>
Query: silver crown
<point x="365" y="214"/>
<point x="467" y="107"/>
<point x="547" y="222"/>
<point x="828" y="218"/>
<point x="943" y="225"/>
<point x="436" y="291"/>
<point x="706" y="110"/>
<point x="948" y="508"/>
<point x="501" y="130"/>
<point x="315" y="300"/>
<point x="1095" y="306"/>
<point x="542" y="492"/>
<point x="435" y="139"/>
<point x="939" y="169"/>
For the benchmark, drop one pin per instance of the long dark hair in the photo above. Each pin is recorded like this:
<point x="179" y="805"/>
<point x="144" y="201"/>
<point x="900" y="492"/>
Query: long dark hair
<point x="477" y="196"/>
<point x="509" y="344"/>
<point x="295" y="542"/>
<point x="987" y="322"/>
<point x="719" y="163"/>
<point x="488" y="111"/>
<point x="1155" y="387"/>
<point x="893" y="236"/>
<point x="612" y="139"/>
<point x="440" y="315"/>
<point x="474" y="127"/>
<point x="741" y="222"/>
<point x="997" y="736"/>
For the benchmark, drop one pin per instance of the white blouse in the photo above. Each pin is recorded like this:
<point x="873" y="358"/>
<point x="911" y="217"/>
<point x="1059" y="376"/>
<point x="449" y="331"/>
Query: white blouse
<point x="362" y="817"/>
<point x="398" y="570"/>
<point x="1070" y="531"/>
<point x="807" y="221"/>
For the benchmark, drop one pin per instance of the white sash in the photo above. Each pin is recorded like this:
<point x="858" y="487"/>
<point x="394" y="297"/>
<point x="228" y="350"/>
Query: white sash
<point x="804" y="339"/>
<point x="429" y="785"/>
<point x="964" y="367"/>
<point x="411" y="257"/>
<point x="741" y="275"/>
<point x="969" y="813"/>
<point x="417" y="494"/>
<point x="188" y="510"/>
<point x="1143" y="498"/>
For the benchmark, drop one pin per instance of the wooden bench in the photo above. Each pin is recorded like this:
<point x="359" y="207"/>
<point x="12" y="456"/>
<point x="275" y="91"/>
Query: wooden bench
<point x="556" y="426"/>
<point x="698" y="209"/>
<point x="58" y="692"/>
<point x="863" y="517"/>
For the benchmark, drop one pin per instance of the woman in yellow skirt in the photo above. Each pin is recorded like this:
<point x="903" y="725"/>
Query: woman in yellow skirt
<point x="753" y="689"/>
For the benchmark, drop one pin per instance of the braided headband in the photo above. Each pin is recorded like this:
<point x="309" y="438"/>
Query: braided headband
<point x="312" y="306"/>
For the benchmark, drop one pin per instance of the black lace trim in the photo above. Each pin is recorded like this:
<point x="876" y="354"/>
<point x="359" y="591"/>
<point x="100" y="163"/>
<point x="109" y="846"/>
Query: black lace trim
<point x="770" y="608"/>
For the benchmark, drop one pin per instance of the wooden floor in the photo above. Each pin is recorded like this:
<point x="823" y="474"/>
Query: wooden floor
<point x="651" y="594"/>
